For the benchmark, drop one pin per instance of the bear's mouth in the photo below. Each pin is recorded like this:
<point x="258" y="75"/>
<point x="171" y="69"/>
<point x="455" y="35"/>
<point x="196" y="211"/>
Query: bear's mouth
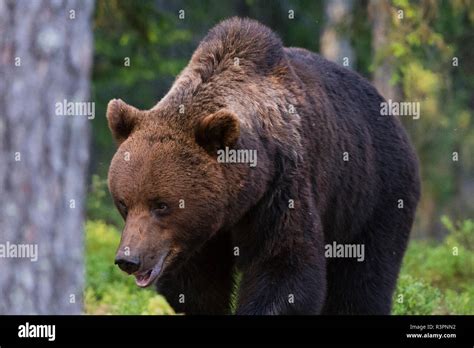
<point x="146" y="278"/>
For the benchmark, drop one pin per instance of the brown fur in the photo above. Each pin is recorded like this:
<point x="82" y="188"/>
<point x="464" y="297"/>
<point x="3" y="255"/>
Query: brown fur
<point x="238" y="91"/>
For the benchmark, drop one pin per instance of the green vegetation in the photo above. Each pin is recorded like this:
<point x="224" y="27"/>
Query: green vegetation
<point x="435" y="278"/>
<point x="108" y="290"/>
<point x="99" y="204"/>
<point x="438" y="278"/>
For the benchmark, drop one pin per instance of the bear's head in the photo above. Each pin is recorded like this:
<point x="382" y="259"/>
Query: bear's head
<point x="167" y="179"/>
<point x="167" y="185"/>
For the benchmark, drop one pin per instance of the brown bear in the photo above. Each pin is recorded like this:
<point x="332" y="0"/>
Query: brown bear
<point x="267" y="162"/>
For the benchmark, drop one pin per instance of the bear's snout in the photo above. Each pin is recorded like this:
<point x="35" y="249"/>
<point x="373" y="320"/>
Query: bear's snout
<point x="128" y="264"/>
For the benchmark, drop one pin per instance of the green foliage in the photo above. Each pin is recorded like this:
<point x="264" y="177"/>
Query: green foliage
<point x="459" y="303"/>
<point x="425" y="42"/>
<point x="447" y="265"/>
<point x="415" y="297"/>
<point x="99" y="205"/>
<point x="361" y="39"/>
<point x="138" y="52"/>
<point x="108" y="290"/>
<point x="438" y="278"/>
<point x="461" y="233"/>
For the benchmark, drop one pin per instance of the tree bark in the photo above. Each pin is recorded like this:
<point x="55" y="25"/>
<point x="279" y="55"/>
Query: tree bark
<point x="335" y="43"/>
<point x="45" y="58"/>
<point x="380" y="14"/>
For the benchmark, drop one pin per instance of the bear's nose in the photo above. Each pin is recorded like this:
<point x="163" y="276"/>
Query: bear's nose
<point x="128" y="264"/>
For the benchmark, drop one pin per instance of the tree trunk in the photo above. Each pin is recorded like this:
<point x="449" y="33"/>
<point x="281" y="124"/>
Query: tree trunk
<point x="335" y="41"/>
<point x="380" y="14"/>
<point x="45" y="58"/>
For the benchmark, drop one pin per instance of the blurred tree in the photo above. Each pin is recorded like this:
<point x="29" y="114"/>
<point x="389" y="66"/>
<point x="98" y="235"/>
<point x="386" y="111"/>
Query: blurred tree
<point x="430" y="42"/>
<point x="335" y="40"/>
<point x="45" y="58"/>
<point x="380" y="13"/>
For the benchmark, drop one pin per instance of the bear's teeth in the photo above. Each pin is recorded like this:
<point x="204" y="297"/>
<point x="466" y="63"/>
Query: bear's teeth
<point x="142" y="277"/>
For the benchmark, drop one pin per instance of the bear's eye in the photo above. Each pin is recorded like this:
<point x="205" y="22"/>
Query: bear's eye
<point x="122" y="208"/>
<point x="160" y="208"/>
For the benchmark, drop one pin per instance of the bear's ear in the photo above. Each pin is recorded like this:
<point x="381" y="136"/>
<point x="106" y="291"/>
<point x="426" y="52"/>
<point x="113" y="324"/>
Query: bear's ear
<point x="122" y="118"/>
<point x="218" y="130"/>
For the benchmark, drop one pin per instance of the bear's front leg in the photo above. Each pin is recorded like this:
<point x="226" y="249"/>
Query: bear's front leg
<point x="282" y="256"/>
<point x="292" y="282"/>
<point x="203" y="285"/>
